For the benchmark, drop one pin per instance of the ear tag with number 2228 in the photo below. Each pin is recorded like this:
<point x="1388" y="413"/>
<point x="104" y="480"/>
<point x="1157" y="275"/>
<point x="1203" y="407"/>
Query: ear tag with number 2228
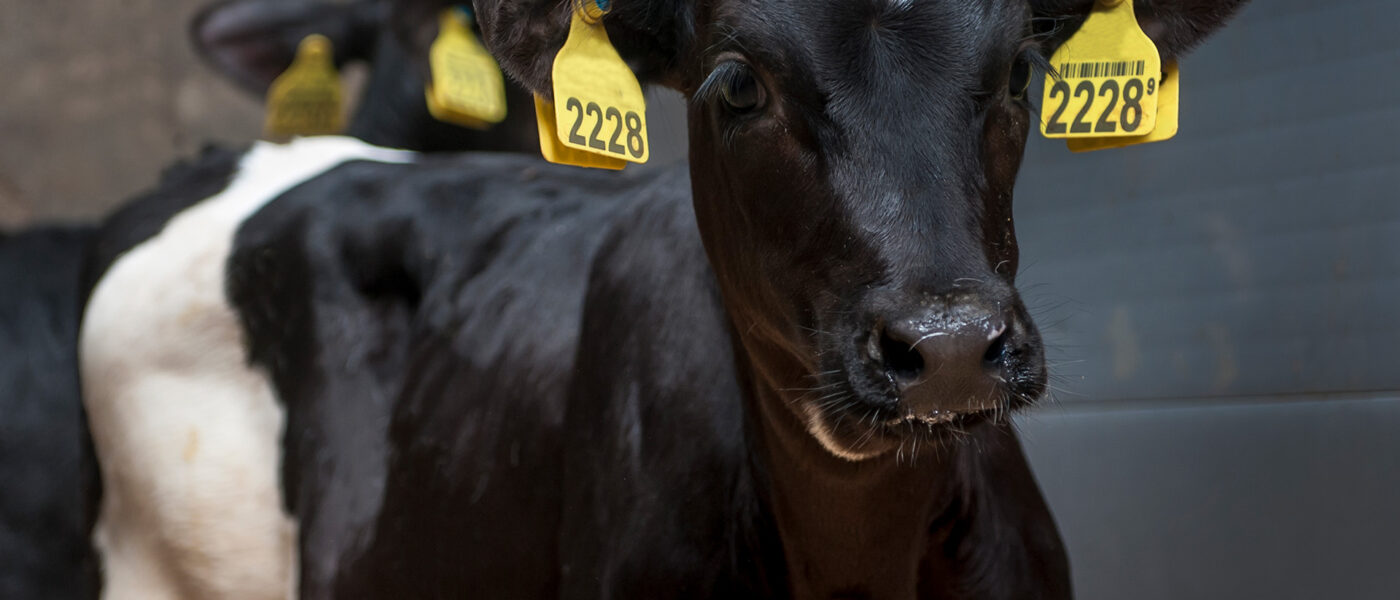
<point x="1110" y="73"/>
<point x="598" y="107"/>
<point x="1168" y="114"/>
<point x="467" y="87"/>
<point x="305" y="99"/>
<point x="556" y="152"/>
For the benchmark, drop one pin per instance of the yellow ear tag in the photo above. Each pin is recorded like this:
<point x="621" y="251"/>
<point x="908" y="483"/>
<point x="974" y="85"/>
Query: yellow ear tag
<point x="1109" y="75"/>
<point x="598" y="104"/>
<point x="467" y="87"/>
<point x="305" y="100"/>
<point x="556" y="152"/>
<point x="1167" y="118"/>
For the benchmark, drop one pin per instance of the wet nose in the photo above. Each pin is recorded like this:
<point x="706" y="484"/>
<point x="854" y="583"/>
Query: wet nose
<point x="944" y="361"/>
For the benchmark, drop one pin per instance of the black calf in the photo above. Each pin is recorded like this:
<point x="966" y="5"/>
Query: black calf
<point x="44" y="549"/>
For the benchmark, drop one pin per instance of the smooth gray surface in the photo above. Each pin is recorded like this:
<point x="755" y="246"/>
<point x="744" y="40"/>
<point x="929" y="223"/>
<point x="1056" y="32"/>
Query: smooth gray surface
<point x="1276" y="501"/>
<point x="1223" y="311"/>
<point x="1259" y="251"/>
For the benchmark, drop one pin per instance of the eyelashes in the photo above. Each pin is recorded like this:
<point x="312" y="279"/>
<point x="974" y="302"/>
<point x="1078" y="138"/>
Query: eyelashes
<point x="734" y="84"/>
<point x="1028" y="62"/>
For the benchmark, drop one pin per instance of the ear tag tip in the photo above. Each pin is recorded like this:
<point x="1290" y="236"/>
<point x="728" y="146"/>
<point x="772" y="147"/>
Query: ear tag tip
<point x="315" y="47"/>
<point x="592" y="10"/>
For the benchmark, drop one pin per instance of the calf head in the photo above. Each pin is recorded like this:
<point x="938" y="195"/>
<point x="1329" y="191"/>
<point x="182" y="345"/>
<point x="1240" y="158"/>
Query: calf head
<point x="852" y="163"/>
<point x="251" y="42"/>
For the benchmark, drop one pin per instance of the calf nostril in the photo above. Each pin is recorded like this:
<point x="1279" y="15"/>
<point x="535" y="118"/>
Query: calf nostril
<point x="901" y="360"/>
<point x="998" y="349"/>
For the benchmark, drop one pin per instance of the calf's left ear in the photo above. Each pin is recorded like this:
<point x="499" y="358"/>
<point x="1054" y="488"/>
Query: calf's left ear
<point x="1176" y="26"/>
<point x="525" y="35"/>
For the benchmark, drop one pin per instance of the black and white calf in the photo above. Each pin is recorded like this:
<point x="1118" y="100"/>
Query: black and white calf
<point x="331" y="370"/>
<point x="44" y="492"/>
<point x="251" y="42"/>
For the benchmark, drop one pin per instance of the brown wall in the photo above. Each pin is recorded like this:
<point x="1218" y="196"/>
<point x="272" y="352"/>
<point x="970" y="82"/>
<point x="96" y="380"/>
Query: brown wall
<point x="96" y="96"/>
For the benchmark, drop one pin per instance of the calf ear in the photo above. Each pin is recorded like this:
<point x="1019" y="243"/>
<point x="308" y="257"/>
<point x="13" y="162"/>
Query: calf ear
<point x="1176" y="26"/>
<point x="251" y="42"/>
<point x="651" y="35"/>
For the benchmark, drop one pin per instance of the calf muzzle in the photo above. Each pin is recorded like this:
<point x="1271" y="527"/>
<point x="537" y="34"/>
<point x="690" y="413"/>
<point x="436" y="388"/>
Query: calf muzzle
<point x="950" y="357"/>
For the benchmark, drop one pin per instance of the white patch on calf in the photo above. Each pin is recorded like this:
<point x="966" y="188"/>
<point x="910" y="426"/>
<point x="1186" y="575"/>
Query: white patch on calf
<point x="189" y="436"/>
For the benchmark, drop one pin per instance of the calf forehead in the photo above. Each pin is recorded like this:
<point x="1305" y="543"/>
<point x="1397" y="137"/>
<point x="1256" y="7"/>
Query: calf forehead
<point x="844" y="39"/>
<point x="891" y="66"/>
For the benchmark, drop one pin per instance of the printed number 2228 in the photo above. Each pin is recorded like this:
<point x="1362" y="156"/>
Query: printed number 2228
<point x="630" y="123"/>
<point x="1130" y="116"/>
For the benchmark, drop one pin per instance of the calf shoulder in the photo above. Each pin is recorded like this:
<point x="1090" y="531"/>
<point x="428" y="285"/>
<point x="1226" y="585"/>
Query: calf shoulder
<point x="420" y="322"/>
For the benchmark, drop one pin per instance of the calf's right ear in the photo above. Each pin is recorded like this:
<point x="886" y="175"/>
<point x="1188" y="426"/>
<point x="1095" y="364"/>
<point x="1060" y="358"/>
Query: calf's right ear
<point x="1175" y="26"/>
<point x="525" y="35"/>
<point x="251" y="42"/>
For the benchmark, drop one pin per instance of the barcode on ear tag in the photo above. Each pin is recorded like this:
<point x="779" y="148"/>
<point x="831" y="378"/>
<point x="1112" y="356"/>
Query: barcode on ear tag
<point x="306" y="98"/>
<point x="1108" y="78"/>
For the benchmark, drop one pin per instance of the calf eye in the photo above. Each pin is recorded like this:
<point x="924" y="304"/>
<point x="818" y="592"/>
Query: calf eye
<point x="1020" y="77"/>
<point x="739" y="89"/>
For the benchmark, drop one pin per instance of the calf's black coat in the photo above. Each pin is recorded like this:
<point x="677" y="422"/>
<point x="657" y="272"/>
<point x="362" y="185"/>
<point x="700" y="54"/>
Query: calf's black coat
<point x="44" y="551"/>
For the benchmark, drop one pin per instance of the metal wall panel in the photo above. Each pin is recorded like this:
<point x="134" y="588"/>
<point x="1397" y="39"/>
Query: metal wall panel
<point x="1224" y="310"/>
<point x="1257" y="253"/>
<point x="1276" y="501"/>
